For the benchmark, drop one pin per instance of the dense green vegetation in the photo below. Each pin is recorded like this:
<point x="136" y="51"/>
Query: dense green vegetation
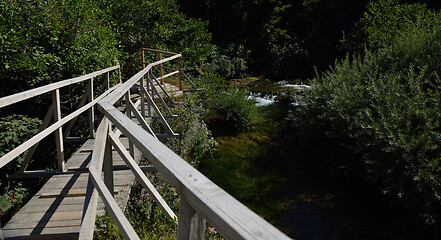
<point x="385" y="21"/>
<point x="48" y="41"/>
<point x="377" y="115"/>
<point x="14" y="129"/>
<point x="158" y="25"/>
<point x="372" y="110"/>
<point x="277" y="38"/>
<point x="44" y="42"/>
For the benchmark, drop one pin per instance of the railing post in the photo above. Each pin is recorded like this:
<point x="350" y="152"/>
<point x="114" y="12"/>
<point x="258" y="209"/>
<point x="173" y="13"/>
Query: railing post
<point x="59" y="131"/>
<point x="119" y="74"/>
<point x="191" y="224"/>
<point x="149" y="109"/>
<point x="108" y="165"/>
<point x="142" y="96"/>
<point x="143" y="59"/>
<point x="108" y="80"/>
<point x="180" y="73"/>
<point x="91" y="110"/>
<point x="161" y="70"/>
<point x="129" y="115"/>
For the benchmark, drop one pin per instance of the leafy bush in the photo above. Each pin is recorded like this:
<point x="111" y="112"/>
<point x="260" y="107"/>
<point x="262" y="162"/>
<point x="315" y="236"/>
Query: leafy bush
<point x="378" y="115"/>
<point x="212" y="83"/>
<point x="227" y="104"/>
<point x="234" y="108"/>
<point x="48" y="41"/>
<point x="159" y="24"/>
<point x="142" y="211"/>
<point x="14" y="130"/>
<point x="385" y="20"/>
<point x="195" y="139"/>
<point x="229" y="62"/>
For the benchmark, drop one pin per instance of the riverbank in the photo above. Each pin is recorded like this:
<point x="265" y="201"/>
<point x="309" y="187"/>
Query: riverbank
<point x="290" y="186"/>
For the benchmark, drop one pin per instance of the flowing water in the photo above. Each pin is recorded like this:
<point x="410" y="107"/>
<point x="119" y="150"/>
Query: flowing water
<point x="275" y="178"/>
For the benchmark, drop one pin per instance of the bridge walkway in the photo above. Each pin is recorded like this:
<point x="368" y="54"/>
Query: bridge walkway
<point x="76" y="189"/>
<point x="56" y="210"/>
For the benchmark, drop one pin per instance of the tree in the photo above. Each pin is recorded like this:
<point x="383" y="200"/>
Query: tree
<point x="48" y="41"/>
<point x="159" y="24"/>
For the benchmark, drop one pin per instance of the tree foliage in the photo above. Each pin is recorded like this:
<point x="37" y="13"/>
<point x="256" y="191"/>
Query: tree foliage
<point x="159" y="25"/>
<point x="47" y="41"/>
<point x="378" y="115"/>
<point x="385" y="20"/>
<point x="279" y="38"/>
<point x="14" y="130"/>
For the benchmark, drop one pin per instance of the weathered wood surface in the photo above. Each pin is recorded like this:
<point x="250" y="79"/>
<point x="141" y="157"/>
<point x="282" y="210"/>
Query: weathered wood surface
<point x="18" y="97"/>
<point x="166" y="91"/>
<point x="228" y="215"/>
<point x="8" y="157"/>
<point x="56" y="210"/>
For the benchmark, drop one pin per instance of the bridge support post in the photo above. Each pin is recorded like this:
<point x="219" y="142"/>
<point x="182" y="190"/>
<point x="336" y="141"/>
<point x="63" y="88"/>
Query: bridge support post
<point x="59" y="131"/>
<point x="141" y="96"/>
<point x="143" y="58"/>
<point x="161" y="69"/>
<point x="91" y="110"/>
<point x="180" y="74"/>
<point x="107" y="81"/>
<point x="191" y="224"/>
<point x="129" y="115"/>
<point x="108" y="166"/>
<point x="149" y="109"/>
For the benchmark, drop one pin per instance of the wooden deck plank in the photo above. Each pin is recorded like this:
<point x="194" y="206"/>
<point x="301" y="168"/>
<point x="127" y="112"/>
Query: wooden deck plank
<point x="41" y="231"/>
<point x="63" y="208"/>
<point x="65" y="223"/>
<point x="120" y="179"/>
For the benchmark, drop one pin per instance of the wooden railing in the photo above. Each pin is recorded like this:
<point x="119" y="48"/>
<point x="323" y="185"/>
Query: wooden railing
<point x="87" y="103"/>
<point x="201" y="199"/>
<point x="164" y="71"/>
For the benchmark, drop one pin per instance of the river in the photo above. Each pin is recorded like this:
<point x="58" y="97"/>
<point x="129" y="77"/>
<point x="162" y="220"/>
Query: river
<point x="266" y="171"/>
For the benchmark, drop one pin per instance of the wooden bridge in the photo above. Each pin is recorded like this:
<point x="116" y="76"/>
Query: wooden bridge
<point x="99" y="174"/>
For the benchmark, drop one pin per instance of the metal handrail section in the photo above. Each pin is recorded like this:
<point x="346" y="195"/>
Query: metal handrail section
<point x="201" y="199"/>
<point x="55" y="113"/>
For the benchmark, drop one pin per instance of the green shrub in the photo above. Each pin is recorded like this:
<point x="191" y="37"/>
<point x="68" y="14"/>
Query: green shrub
<point x="229" y="62"/>
<point x="160" y="25"/>
<point x="142" y="211"/>
<point x="211" y="82"/>
<point x="234" y="108"/>
<point x="48" y="41"/>
<point x="195" y="138"/>
<point x="385" y="21"/>
<point x="14" y="130"/>
<point x="378" y="116"/>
